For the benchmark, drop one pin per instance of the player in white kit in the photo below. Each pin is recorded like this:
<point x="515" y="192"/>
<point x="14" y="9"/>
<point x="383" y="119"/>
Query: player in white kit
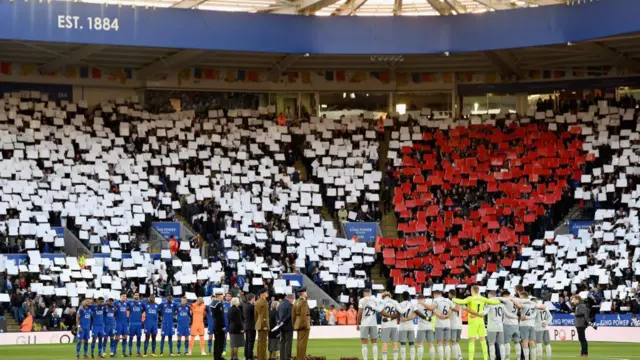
<point x="527" y="326"/>
<point x="425" y="328"/>
<point x="495" y="329"/>
<point x="389" y="327"/>
<point x="368" y="323"/>
<point x="543" y="321"/>
<point x="456" y="328"/>
<point x="511" y="327"/>
<point x="444" y="307"/>
<point x="407" y="329"/>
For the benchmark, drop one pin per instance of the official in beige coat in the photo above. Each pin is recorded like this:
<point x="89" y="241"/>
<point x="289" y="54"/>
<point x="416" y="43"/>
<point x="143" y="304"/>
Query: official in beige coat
<point x="302" y="323"/>
<point x="261" y="313"/>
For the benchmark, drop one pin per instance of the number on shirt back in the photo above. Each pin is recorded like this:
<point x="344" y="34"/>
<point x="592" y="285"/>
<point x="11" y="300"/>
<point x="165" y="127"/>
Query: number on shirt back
<point x="499" y="312"/>
<point x="528" y="313"/>
<point x="515" y="309"/>
<point x="445" y="311"/>
<point x="389" y="310"/>
<point x="369" y="311"/>
<point x="544" y="315"/>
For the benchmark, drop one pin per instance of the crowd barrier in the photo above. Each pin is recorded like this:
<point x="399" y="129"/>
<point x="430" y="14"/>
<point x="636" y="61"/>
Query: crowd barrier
<point x="558" y="333"/>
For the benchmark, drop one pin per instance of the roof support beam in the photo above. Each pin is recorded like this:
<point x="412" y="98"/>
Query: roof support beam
<point x="176" y="61"/>
<point x="397" y="7"/>
<point x="505" y="62"/>
<point x="457" y="6"/>
<point x="73" y="57"/>
<point x="187" y="4"/>
<point x="495" y="4"/>
<point x="349" y="8"/>
<point x="440" y="7"/>
<point x="608" y="54"/>
<point x="307" y="7"/>
<point x="282" y="65"/>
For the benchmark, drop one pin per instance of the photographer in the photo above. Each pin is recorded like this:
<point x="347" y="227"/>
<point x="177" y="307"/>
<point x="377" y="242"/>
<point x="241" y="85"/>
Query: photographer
<point x="582" y="321"/>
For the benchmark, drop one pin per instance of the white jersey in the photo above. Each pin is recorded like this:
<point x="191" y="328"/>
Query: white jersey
<point x="391" y="307"/>
<point x="510" y="313"/>
<point x="422" y="323"/>
<point x="369" y="314"/>
<point x="407" y="310"/>
<point x="528" y="311"/>
<point x="543" y="317"/>
<point x="495" y="317"/>
<point x="443" y="306"/>
<point x="456" y="318"/>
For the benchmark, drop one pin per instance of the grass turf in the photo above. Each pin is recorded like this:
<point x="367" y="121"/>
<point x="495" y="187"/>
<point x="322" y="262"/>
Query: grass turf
<point x="332" y="349"/>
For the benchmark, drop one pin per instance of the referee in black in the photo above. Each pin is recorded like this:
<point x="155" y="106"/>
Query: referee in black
<point x="582" y="321"/>
<point x="218" y="329"/>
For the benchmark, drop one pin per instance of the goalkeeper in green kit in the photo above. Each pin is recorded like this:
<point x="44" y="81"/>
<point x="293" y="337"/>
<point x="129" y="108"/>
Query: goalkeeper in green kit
<point x="476" y="330"/>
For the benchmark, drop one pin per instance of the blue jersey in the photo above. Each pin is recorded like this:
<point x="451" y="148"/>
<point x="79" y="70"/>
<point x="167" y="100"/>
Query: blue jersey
<point x="184" y="315"/>
<point x="85" y="317"/>
<point x="136" y="308"/>
<point x="167" y="310"/>
<point x="110" y="316"/>
<point x="98" y="313"/>
<point x="227" y="306"/>
<point x="121" y="312"/>
<point x="210" y="318"/>
<point x="151" y="311"/>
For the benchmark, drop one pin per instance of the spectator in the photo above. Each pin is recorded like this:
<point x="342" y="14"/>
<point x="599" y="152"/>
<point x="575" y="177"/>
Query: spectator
<point x="27" y="323"/>
<point x="352" y="316"/>
<point x="341" y="316"/>
<point x="342" y="214"/>
<point x="235" y="328"/>
<point x="332" y="315"/>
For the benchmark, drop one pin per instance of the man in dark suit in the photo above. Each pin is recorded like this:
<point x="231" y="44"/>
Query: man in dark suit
<point x="249" y="326"/>
<point x="261" y="313"/>
<point x="219" y="327"/>
<point x="285" y="312"/>
<point x="302" y="323"/>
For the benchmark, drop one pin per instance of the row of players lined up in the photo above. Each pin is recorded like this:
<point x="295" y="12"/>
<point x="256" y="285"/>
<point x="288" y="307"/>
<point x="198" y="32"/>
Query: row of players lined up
<point x="123" y="320"/>
<point x="520" y="319"/>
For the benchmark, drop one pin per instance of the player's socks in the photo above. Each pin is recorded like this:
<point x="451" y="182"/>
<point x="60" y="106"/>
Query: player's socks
<point x="548" y="346"/>
<point x="153" y="345"/>
<point x="440" y="352"/>
<point x="432" y="352"/>
<point x="454" y="355"/>
<point x="210" y="344"/>
<point x="179" y="345"/>
<point x="485" y="350"/>
<point x="395" y="354"/>
<point x="420" y="352"/>
<point x="385" y="355"/>
<point x="131" y="346"/>
<point x="191" y="341"/>
<point x="162" y="345"/>
<point x="503" y="349"/>
<point x="518" y="351"/>
<point x="170" y="345"/>
<point x="458" y="351"/>
<point x="124" y="346"/>
<point x="364" y="351"/>
<point x="78" y="346"/>
<point x="526" y="353"/>
<point x="403" y="352"/>
<point x="506" y="354"/>
<point x="447" y="352"/>
<point x="138" y="345"/>
<point x="86" y="348"/>
<point x="101" y="346"/>
<point x="533" y="353"/>
<point x="202" y="346"/>
<point x="492" y="352"/>
<point x="114" y="346"/>
<point x="412" y="352"/>
<point x="146" y="346"/>
<point x="539" y="351"/>
<point x="472" y="348"/>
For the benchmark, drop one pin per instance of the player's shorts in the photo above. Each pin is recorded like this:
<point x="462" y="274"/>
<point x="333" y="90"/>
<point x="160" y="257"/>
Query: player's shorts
<point x="527" y="333"/>
<point x="543" y="337"/>
<point x="98" y="331"/>
<point x="197" y="330"/>
<point x="511" y="333"/>
<point x="151" y="329"/>
<point x="456" y="335"/>
<point x="368" y="332"/>
<point x="495" y="337"/>
<point x="443" y="334"/>
<point x="167" y="329"/>
<point x="122" y="328"/>
<point x="183" y="330"/>
<point x="425" y="335"/>
<point x="135" y="329"/>
<point x="476" y="329"/>
<point x="110" y="331"/>
<point x="389" y="334"/>
<point x="84" y="334"/>
<point x="407" y="336"/>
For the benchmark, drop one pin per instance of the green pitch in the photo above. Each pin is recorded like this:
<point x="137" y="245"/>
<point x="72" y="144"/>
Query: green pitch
<point x="332" y="349"/>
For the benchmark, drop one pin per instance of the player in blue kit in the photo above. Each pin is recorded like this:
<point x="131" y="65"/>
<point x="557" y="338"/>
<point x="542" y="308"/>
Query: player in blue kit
<point x="97" y="328"/>
<point x="167" y="310"/>
<point x="136" y="309"/>
<point x="150" y="325"/>
<point x="210" y="323"/>
<point x="110" y="327"/>
<point x="122" y="323"/>
<point x="184" y="324"/>
<point x="227" y="306"/>
<point x="83" y="324"/>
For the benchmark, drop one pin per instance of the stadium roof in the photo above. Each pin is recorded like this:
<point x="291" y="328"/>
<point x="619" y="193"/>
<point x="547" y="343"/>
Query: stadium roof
<point x="341" y="7"/>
